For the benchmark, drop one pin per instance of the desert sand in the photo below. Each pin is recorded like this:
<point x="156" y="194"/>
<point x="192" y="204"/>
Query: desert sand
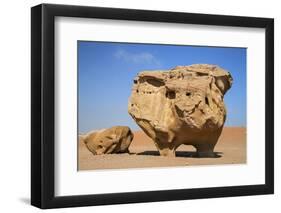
<point x="230" y="149"/>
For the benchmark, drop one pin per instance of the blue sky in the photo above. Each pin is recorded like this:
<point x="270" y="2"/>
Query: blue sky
<point x="106" y="71"/>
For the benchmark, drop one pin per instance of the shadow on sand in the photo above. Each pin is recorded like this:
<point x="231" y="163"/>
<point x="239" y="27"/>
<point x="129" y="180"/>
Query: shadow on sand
<point x="184" y="154"/>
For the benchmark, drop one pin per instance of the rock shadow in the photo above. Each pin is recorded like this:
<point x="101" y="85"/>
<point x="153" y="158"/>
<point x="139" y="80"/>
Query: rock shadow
<point x="184" y="154"/>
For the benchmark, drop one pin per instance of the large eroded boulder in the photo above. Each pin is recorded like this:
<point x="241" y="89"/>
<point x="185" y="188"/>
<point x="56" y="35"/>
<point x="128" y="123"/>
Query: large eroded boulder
<point x="183" y="105"/>
<point x="116" y="139"/>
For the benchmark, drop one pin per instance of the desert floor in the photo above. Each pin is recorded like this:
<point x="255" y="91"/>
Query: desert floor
<point x="230" y="149"/>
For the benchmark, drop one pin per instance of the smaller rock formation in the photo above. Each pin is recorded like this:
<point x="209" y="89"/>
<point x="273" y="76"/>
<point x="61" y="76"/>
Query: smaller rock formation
<point x="116" y="139"/>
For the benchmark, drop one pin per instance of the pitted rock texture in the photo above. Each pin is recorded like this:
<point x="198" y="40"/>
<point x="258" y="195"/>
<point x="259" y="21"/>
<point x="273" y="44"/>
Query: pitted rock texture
<point x="116" y="139"/>
<point x="183" y="105"/>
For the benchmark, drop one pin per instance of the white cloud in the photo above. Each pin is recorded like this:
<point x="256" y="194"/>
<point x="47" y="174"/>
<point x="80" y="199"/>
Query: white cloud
<point x="140" y="58"/>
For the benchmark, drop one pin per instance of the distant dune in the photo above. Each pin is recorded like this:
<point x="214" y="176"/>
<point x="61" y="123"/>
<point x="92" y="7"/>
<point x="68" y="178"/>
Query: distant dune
<point x="231" y="149"/>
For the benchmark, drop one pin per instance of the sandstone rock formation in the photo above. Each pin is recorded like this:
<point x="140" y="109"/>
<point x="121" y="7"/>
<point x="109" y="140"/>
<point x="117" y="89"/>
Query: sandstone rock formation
<point x="116" y="139"/>
<point x="183" y="105"/>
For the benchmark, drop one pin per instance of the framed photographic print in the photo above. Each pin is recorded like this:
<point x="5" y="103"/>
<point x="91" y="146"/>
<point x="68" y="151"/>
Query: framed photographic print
<point x="139" y="106"/>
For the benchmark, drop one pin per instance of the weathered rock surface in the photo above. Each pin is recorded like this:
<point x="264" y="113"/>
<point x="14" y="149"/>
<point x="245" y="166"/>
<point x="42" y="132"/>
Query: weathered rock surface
<point x="183" y="105"/>
<point x="116" y="139"/>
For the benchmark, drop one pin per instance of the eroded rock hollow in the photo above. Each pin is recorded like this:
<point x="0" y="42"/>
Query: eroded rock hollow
<point x="183" y="105"/>
<point x="116" y="139"/>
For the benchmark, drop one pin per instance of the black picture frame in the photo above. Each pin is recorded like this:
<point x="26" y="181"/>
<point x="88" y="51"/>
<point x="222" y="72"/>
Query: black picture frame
<point x="43" y="110"/>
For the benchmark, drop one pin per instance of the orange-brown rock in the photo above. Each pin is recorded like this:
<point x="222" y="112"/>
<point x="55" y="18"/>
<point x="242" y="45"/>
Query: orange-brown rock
<point x="183" y="105"/>
<point x="116" y="139"/>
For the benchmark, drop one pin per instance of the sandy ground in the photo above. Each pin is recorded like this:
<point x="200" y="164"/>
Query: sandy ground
<point x="230" y="149"/>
